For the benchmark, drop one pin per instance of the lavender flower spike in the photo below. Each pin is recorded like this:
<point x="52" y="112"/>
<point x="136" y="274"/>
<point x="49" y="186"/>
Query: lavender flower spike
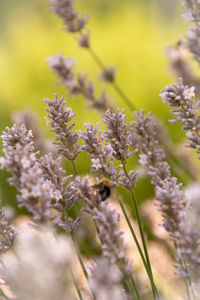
<point x="117" y="134"/>
<point x="192" y="10"/>
<point x="7" y="233"/>
<point x="186" y="111"/>
<point x="63" y="68"/>
<point x="65" y="10"/>
<point x="113" y="245"/>
<point x="35" y="192"/>
<point x="105" y="281"/>
<point x="73" y="22"/>
<point x="60" y="116"/>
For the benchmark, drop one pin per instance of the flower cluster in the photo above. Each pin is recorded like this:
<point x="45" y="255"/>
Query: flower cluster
<point x="192" y="10"/>
<point x="118" y="135"/>
<point x="73" y="22"/>
<point x="77" y="83"/>
<point x="66" y="139"/>
<point x="35" y="192"/>
<point x="7" y="233"/>
<point x="105" y="281"/>
<point x="186" y="111"/>
<point x="48" y="260"/>
<point x="113" y="246"/>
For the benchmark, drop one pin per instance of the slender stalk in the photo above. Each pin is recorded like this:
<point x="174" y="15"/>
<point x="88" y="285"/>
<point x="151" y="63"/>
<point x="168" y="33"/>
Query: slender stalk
<point x="115" y="85"/>
<point x="76" y="285"/>
<point x="138" y="247"/>
<point x="187" y="281"/>
<point x="74" y="167"/>
<point x="79" y="257"/>
<point x="2" y="294"/>
<point x="136" y="289"/>
<point x="141" y="232"/>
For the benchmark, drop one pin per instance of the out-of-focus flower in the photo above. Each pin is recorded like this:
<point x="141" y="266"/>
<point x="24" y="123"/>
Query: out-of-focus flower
<point x="180" y="65"/>
<point x="108" y="74"/>
<point x="192" y="10"/>
<point x="193" y="41"/>
<point x="7" y="233"/>
<point x="77" y="83"/>
<point x="113" y="245"/>
<point x="65" y="10"/>
<point x="105" y="281"/>
<point x="29" y="119"/>
<point x="144" y="137"/>
<point x="48" y="260"/>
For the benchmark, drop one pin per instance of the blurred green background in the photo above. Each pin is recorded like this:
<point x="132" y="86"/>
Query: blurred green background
<point x="131" y="35"/>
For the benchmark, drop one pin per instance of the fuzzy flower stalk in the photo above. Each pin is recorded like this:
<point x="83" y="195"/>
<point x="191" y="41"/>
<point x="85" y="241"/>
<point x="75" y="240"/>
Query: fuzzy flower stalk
<point x="34" y="191"/>
<point x="192" y="14"/>
<point x="60" y="118"/>
<point x="8" y="233"/>
<point x="77" y="84"/>
<point x="72" y="20"/>
<point x="106" y="220"/>
<point x="49" y="260"/>
<point x="185" y="111"/>
<point x="105" y="281"/>
<point x="170" y="199"/>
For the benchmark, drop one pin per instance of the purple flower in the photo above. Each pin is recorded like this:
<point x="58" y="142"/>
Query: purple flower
<point x="113" y="245"/>
<point x="65" y="10"/>
<point x="186" y="112"/>
<point x="35" y="192"/>
<point x="193" y="41"/>
<point x="117" y="134"/>
<point x="66" y="139"/>
<point x="105" y="281"/>
<point x="77" y="83"/>
<point x="192" y="10"/>
<point x="63" y="68"/>
<point x="7" y="233"/>
<point x="108" y="74"/>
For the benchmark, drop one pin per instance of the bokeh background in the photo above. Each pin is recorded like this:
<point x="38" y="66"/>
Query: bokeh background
<point x="131" y="35"/>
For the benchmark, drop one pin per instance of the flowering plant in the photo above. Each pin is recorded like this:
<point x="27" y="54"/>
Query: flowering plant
<point x="62" y="205"/>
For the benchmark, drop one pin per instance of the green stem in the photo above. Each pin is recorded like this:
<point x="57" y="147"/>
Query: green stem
<point x="136" y="289"/>
<point x="115" y="85"/>
<point x="2" y="294"/>
<point x="74" y="168"/>
<point x="138" y="247"/>
<point x="141" y="233"/>
<point x="76" y="285"/>
<point x="79" y="257"/>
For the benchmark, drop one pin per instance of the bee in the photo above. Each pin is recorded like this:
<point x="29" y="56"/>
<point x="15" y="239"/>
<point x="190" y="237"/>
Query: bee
<point x="103" y="189"/>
